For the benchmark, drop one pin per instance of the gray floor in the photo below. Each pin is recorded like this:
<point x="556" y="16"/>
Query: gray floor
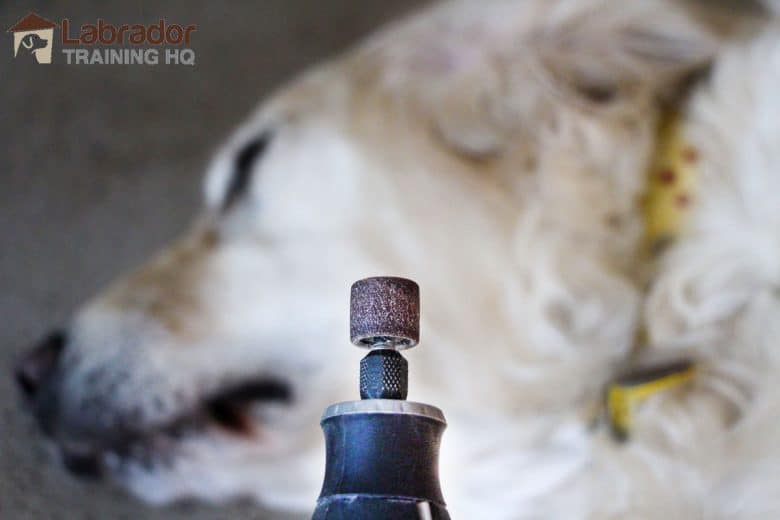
<point x="101" y="165"/>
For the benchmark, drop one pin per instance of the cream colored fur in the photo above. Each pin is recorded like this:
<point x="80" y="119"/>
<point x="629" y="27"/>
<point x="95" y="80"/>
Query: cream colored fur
<point x="494" y="152"/>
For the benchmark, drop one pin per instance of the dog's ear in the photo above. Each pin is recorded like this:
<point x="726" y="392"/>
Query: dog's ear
<point x="28" y="42"/>
<point x="491" y="69"/>
<point x="611" y="49"/>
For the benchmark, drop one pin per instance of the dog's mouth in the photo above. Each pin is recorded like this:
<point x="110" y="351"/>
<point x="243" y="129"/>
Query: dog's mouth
<point x="235" y="410"/>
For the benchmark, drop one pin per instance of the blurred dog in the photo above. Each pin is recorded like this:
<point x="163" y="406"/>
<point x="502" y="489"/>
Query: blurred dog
<point x="496" y="153"/>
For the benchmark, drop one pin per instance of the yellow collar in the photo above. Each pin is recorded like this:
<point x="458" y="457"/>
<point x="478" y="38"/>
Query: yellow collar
<point x="627" y="392"/>
<point x="671" y="185"/>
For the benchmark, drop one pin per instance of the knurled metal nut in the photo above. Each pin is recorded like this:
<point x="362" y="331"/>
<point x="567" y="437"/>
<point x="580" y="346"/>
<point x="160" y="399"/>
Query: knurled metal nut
<point x="384" y="374"/>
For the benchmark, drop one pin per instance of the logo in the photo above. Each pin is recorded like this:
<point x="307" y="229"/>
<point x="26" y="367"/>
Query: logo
<point x="33" y="39"/>
<point x="104" y="43"/>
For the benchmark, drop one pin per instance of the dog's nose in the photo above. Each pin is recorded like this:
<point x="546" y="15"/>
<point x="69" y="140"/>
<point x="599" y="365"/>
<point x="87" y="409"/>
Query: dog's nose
<point x="37" y="365"/>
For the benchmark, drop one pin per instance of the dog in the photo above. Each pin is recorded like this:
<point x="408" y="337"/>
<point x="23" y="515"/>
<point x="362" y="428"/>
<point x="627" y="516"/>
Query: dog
<point x="495" y="152"/>
<point x="28" y="46"/>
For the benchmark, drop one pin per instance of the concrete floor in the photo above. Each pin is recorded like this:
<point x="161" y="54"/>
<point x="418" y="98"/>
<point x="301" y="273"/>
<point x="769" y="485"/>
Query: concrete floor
<point x="101" y="165"/>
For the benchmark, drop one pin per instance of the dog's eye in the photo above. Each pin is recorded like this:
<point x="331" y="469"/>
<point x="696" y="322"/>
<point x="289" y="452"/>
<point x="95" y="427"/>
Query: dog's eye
<point x="599" y="94"/>
<point x="242" y="169"/>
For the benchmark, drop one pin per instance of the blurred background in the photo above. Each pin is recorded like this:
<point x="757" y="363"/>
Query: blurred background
<point x="102" y="165"/>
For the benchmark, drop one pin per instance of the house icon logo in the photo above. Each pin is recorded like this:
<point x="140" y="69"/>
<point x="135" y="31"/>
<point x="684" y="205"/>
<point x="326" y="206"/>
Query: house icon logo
<point x="33" y="39"/>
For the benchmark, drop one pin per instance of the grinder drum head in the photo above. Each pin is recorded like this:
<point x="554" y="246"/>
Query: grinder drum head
<point x="385" y="313"/>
